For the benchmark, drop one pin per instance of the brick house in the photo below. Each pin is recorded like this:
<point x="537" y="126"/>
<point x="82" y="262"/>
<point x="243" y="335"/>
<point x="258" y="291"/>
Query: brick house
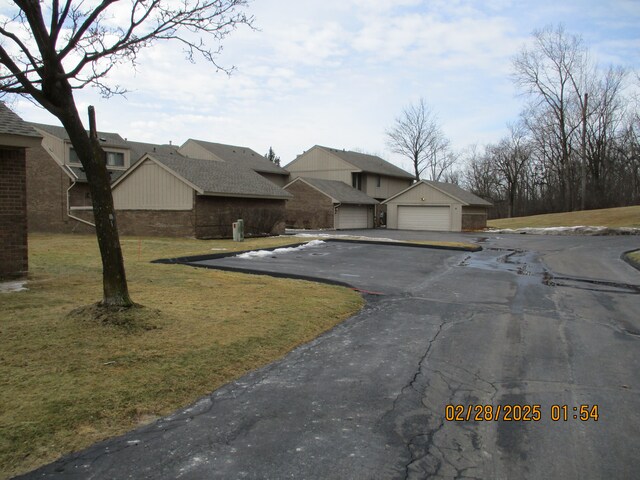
<point x="319" y="203"/>
<point x="170" y="195"/>
<point x="370" y="174"/>
<point x="16" y="136"/>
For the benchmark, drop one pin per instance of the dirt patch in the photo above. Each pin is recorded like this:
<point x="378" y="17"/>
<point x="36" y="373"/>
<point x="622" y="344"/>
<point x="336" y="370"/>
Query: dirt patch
<point x="136" y="318"/>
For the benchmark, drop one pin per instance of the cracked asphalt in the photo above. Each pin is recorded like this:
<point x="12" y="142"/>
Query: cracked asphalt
<point x="541" y="320"/>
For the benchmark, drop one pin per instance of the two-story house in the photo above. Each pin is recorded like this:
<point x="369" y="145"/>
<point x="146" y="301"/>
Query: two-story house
<point x="369" y="174"/>
<point x="156" y="189"/>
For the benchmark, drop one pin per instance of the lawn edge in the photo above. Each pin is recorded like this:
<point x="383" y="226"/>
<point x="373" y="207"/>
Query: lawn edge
<point x="214" y="256"/>
<point x="626" y="256"/>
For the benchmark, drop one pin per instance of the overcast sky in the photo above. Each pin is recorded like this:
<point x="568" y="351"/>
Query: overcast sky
<point x="337" y="73"/>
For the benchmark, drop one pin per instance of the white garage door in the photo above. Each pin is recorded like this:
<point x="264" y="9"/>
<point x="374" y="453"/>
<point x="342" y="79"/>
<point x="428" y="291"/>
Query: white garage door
<point x="424" y="218"/>
<point x="349" y="216"/>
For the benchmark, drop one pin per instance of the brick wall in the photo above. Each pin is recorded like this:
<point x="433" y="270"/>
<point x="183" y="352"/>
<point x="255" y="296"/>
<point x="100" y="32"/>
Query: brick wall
<point x="474" y="218"/>
<point x="13" y="214"/>
<point x="214" y="216"/>
<point x="47" y="186"/>
<point x="308" y="208"/>
<point x="156" y="223"/>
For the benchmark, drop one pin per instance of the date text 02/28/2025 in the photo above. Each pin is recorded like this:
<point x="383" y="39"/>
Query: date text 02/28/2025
<point x="519" y="413"/>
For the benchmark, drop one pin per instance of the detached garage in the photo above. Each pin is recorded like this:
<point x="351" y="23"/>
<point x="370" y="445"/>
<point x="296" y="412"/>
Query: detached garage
<point x="436" y="206"/>
<point x="319" y="203"/>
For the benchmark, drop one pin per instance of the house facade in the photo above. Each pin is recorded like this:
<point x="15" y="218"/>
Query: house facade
<point x="170" y="195"/>
<point x="320" y="204"/>
<point x="16" y="137"/>
<point x="436" y="206"/>
<point x="370" y="174"/>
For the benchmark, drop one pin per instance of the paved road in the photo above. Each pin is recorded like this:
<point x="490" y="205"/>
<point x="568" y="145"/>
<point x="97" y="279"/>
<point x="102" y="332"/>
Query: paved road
<point x="528" y="321"/>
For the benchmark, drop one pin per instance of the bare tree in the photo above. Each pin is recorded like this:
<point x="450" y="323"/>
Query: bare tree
<point x="417" y="136"/>
<point x="50" y="49"/>
<point x="549" y="72"/>
<point x="509" y="159"/>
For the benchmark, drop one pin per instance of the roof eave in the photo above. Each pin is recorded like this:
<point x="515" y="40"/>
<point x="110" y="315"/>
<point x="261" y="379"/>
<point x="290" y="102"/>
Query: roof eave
<point x="246" y="195"/>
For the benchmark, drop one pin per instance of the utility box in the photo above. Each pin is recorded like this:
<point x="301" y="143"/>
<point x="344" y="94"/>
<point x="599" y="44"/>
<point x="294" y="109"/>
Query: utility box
<point x="238" y="230"/>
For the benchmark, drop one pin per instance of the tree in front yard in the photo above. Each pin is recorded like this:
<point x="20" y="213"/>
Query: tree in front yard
<point x="48" y="49"/>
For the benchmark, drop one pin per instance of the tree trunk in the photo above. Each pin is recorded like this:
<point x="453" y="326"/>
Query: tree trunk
<point x="92" y="157"/>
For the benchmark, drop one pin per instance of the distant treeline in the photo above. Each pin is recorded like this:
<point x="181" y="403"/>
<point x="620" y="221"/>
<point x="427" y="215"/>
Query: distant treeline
<point x="575" y="146"/>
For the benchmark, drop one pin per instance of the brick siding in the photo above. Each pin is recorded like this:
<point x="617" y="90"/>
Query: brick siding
<point x="474" y="218"/>
<point x="308" y="208"/>
<point x="47" y="186"/>
<point x="214" y="216"/>
<point x="14" y="260"/>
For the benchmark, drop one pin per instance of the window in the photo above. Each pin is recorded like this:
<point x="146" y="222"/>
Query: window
<point x="115" y="159"/>
<point x="356" y="180"/>
<point x="378" y="181"/>
<point x="73" y="156"/>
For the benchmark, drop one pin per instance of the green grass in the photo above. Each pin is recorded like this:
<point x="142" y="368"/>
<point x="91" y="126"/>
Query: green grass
<point x="608" y="217"/>
<point x="67" y="381"/>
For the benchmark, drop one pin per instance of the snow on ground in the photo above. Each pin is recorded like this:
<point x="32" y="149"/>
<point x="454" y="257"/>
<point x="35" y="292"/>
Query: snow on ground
<point x="8" y="287"/>
<point x="580" y="230"/>
<point x="335" y="235"/>
<point x="280" y="251"/>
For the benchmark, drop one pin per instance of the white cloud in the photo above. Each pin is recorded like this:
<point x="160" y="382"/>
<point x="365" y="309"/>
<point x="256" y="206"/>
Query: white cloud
<point x="337" y="72"/>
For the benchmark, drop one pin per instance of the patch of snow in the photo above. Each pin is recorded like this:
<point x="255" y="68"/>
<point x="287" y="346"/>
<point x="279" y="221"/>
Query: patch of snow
<point x="579" y="230"/>
<point x="10" y="287"/>
<point x="348" y="237"/>
<point x="279" y="251"/>
<point x="216" y="249"/>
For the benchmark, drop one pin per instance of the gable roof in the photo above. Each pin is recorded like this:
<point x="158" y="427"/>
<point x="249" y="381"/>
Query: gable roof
<point x="242" y="156"/>
<point x="339" y="191"/>
<point x="213" y="178"/>
<point x="368" y="163"/>
<point x="107" y="139"/>
<point x="11" y="125"/>
<point x="465" y="197"/>
<point x="138" y="149"/>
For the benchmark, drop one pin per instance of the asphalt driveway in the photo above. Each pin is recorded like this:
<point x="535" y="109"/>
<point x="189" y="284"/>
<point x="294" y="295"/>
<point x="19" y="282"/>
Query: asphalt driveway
<point x="545" y="322"/>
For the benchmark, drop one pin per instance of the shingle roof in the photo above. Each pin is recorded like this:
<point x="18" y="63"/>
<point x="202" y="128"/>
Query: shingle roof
<point x="220" y="178"/>
<point x="369" y="163"/>
<point x="460" y="193"/>
<point x="138" y="149"/>
<point x="81" y="177"/>
<point x="340" y="191"/>
<point x="12" y="124"/>
<point x="242" y="156"/>
<point x="106" y="138"/>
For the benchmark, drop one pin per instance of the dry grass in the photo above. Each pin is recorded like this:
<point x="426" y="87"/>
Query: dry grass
<point x="635" y="257"/>
<point x="608" y="217"/>
<point x="67" y="381"/>
<point x="427" y="243"/>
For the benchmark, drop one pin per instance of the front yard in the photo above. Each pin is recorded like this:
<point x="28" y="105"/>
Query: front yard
<point x="67" y="382"/>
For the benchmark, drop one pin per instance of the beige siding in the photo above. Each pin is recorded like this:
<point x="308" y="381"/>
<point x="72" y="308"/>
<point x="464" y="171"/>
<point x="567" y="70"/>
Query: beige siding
<point x="279" y="180"/>
<point x="425" y="195"/>
<point x="192" y="150"/>
<point x="151" y="187"/>
<point x="54" y="147"/>
<point x="318" y="163"/>
<point x="388" y="186"/>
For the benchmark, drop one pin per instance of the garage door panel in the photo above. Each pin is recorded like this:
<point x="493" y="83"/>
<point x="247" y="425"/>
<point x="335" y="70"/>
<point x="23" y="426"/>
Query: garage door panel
<point x="435" y="218"/>
<point x="352" y="217"/>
